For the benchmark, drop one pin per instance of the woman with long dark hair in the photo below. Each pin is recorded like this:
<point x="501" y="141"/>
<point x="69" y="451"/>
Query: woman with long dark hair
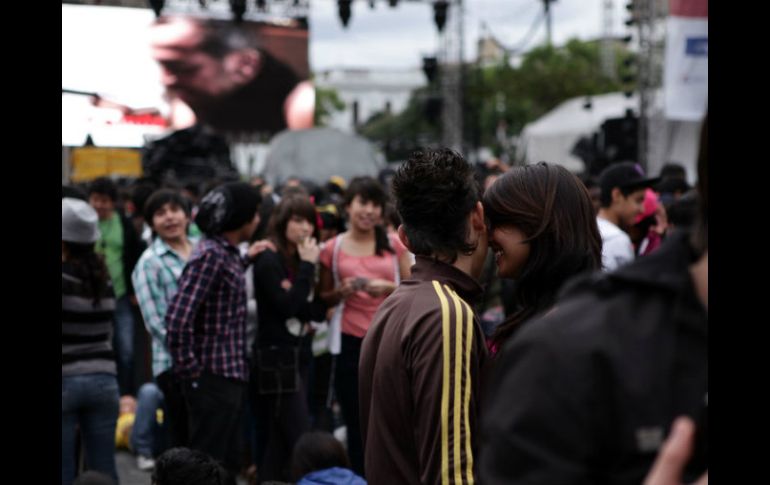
<point x="359" y="269"/>
<point x="543" y="231"/>
<point x="90" y="397"/>
<point x="283" y="286"/>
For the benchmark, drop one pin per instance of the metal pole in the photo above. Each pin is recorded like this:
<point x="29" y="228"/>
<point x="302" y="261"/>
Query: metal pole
<point x="451" y="79"/>
<point x="547" y="4"/>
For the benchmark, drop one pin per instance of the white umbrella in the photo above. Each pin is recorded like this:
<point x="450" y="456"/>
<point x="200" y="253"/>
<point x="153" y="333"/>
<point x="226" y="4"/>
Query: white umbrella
<point x="318" y="153"/>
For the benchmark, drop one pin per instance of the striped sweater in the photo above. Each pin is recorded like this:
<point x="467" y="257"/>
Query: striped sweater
<point x="419" y="380"/>
<point x="86" y="329"/>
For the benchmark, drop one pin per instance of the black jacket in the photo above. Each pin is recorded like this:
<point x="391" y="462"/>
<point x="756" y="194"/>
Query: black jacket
<point x="275" y="304"/>
<point x="587" y="393"/>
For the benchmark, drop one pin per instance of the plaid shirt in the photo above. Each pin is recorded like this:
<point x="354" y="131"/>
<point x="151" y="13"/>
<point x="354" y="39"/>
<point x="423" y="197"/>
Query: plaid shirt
<point x="155" y="282"/>
<point x="207" y="317"/>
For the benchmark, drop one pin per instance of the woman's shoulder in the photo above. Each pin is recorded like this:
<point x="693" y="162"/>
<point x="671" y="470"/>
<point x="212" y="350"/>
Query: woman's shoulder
<point x="327" y="251"/>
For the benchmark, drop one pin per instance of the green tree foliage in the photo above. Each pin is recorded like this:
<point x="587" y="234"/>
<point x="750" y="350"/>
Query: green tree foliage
<point x="546" y="77"/>
<point x="399" y="135"/>
<point x="500" y="100"/>
<point x="327" y="101"/>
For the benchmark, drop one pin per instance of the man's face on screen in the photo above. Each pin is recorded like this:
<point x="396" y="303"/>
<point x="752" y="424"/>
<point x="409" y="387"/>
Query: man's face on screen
<point x="196" y="77"/>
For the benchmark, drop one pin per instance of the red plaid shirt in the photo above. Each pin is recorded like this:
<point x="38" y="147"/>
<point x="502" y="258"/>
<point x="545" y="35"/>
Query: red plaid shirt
<point x="207" y="317"/>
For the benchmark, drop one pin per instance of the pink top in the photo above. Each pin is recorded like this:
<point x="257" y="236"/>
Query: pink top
<point x="360" y="306"/>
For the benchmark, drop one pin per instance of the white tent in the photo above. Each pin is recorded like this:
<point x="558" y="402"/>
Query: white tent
<point x="552" y="136"/>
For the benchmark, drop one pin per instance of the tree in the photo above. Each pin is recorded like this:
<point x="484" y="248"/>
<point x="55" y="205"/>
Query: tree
<point x="500" y="100"/>
<point x="327" y="101"/>
<point x="413" y="128"/>
<point x="513" y="97"/>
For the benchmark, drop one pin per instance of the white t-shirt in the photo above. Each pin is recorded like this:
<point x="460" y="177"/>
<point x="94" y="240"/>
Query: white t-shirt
<point x="617" y="249"/>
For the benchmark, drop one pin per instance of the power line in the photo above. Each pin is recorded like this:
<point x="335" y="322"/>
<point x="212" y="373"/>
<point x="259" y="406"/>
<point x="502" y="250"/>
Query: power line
<point x="519" y="47"/>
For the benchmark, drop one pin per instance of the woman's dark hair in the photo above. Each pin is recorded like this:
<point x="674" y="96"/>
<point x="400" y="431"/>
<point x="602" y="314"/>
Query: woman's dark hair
<point x="435" y="190"/>
<point x="161" y="197"/>
<point x="369" y="189"/>
<point x="89" y="267"/>
<point x="317" y="450"/>
<point x="293" y="205"/>
<point x="553" y="209"/>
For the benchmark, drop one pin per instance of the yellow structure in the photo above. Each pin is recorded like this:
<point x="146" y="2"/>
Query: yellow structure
<point x="89" y="163"/>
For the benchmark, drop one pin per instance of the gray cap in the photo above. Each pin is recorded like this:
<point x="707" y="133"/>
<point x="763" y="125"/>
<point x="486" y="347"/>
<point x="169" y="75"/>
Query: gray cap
<point x="79" y="222"/>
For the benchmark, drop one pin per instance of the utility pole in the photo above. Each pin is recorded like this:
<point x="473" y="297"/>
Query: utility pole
<point x="451" y="57"/>
<point x="547" y="6"/>
<point x="649" y="77"/>
<point x="607" y="48"/>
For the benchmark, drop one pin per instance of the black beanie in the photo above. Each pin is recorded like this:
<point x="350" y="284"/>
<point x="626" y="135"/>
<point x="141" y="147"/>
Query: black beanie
<point x="227" y="207"/>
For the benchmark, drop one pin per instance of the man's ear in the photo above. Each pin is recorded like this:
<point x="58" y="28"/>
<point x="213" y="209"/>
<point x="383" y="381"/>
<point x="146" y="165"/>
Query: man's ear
<point x="244" y="65"/>
<point x="403" y="238"/>
<point x="617" y="195"/>
<point x="477" y="218"/>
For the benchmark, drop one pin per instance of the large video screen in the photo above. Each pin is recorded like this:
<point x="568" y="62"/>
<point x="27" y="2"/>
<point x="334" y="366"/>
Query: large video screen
<point x="126" y="74"/>
<point x="235" y="77"/>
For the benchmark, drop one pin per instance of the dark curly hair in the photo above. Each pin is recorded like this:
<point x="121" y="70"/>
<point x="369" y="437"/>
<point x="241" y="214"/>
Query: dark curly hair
<point x="553" y="208"/>
<point x="435" y="190"/>
<point x="191" y="467"/>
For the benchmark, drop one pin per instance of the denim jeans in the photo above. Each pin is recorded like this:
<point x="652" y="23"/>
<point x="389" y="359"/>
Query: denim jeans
<point x="91" y="402"/>
<point x="148" y="437"/>
<point x="123" y="343"/>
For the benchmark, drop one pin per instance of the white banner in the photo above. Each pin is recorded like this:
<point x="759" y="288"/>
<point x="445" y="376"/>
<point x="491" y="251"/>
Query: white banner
<point x="686" y="76"/>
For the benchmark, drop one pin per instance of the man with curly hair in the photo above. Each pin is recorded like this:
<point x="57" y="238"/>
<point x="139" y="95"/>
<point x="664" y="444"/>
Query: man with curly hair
<point x="421" y="358"/>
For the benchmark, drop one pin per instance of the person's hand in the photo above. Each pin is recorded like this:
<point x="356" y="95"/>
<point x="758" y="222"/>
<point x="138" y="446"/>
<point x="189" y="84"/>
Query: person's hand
<point x="379" y="287"/>
<point x="668" y="467"/>
<point x="308" y="250"/>
<point x="347" y="287"/>
<point x="259" y="246"/>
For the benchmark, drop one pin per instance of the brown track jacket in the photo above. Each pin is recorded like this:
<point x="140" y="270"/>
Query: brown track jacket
<point x="419" y="380"/>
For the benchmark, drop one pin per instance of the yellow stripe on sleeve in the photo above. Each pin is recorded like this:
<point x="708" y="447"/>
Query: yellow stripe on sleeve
<point x="467" y="401"/>
<point x="444" y="385"/>
<point x="456" y="432"/>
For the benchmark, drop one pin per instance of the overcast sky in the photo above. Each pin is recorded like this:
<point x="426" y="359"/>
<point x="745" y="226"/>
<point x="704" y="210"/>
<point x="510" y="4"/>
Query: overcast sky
<point x="399" y="37"/>
<point x="104" y="49"/>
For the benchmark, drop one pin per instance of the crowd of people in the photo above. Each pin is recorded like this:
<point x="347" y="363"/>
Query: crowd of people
<point x="275" y="317"/>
